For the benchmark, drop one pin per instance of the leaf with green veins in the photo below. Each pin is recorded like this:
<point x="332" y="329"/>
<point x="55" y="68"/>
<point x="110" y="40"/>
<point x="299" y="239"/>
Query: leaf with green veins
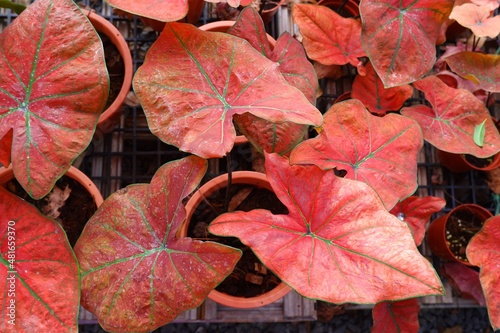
<point x="54" y="86"/>
<point x="338" y="243"/>
<point x="450" y="121"/>
<point x="222" y="75"/>
<point x="38" y="270"/>
<point x="479" y="134"/>
<point x="400" y="36"/>
<point x="136" y="274"/>
<point x="379" y="151"/>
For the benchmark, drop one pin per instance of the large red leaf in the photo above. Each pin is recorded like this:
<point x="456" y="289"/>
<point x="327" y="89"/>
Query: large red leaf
<point x="400" y="36"/>
<point x="465" y="280"/>
<point x="338" y="243"/>
<point x="328" y="37"/>
<point x="161" y="10"/>
<point x="38" y="270"/>
<point x="370" y="90"/>
<point x="449" y="125"/>
<point x="478" y="19"/>
<point x="54" y="86"/>
<point x="381" y="152"/>
<point x="396" y="317"/>
<point x="193" y="82"/>
<point x="416" y="212"/>
<point x="479" y="67"/>
<point x="136" y="274"/>
<point x="483" y="251"/>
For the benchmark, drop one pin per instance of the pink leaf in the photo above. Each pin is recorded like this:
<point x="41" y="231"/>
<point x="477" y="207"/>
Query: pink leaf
<point x="161" y="10"/>
<point x="478" y="19"/>
<point x="328" y="37"/>
<point x="483" y="251"/>
<point x="379" y="151"/>
<point x="132" y="263"/>
<point x="54" y="86"/>
<point x="449" y="125"/>
<point x="39" y="272"/>
<point x="196" y="113"/>
<point x="400" y="36"/>
<point x="338" y="243"/>
<point x="480" y="68"/>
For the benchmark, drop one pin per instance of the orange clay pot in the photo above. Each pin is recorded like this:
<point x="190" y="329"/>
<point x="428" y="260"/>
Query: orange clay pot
<point x="256" y="179"/>
<point x="111" y="115"/>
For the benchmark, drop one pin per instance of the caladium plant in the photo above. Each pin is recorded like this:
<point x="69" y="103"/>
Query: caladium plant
<point x="52" y="91"/>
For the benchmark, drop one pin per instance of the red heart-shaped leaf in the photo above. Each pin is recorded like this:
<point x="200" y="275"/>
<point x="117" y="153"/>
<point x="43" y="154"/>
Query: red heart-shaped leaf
<point x="484" y="251"/>
<point x="381" y="152"/>
<point x="370" y="90"/>
<point x="161" y="10"/>
<point x="479" y="67"/>
<point x="54" y="86"/>
<point x="400" y="36"/>
<point x="38" y="270"/>
<point x="136" y="274"/>
<point x="396" y="317"/>
<point x="195" y="113"/>
<point x="465" y="280"/>
<point x="416" y="212"/>
<point x="449" y="125"/>
<point x="328" y="37"/>
<point x="338" y="243"/>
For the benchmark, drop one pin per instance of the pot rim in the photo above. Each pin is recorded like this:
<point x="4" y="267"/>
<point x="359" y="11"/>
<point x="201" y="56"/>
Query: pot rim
<point x="238" y="177"/>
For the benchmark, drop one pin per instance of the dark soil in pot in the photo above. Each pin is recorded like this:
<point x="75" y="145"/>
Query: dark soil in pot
<point x="478" y="162"/>
<point x="250" y="277"/>
<point x="460" y="228"/>
<point x="69" y="203"/>
<point x="115" y="66"/>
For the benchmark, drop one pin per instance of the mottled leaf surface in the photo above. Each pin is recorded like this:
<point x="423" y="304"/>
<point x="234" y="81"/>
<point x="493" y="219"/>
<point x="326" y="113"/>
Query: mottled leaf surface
<point x="328" y="37"/>
<point x="416" y="212"/>
<point x="484" y="251"/>
<point x="136" y="274"/>
<point x="478" y="67"/>
<point x="38" y="270"/>
<point x="380" y="151"/>
<point x="399" y="36"/>
<point x="338" y="243"/>
<point x="54" y="86"/>
<point x="161" y="10"/>
<point x="396" y="317"/>
<point x="449" y="125"/>
<point x="221" y="75"/>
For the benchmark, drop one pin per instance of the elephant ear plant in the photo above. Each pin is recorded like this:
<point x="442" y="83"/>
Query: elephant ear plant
<point x="53" y="86"/>
<point x="399" y="42"/>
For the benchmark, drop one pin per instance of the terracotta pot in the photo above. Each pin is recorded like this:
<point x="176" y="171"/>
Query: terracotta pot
<point x="111" y="115"/>
<point x="256" y="179"/>
<point x="349" y="9"/>
<point x="7" y="174"/>
<point x="436" y="233"/>
<point x="459" y="163"/>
